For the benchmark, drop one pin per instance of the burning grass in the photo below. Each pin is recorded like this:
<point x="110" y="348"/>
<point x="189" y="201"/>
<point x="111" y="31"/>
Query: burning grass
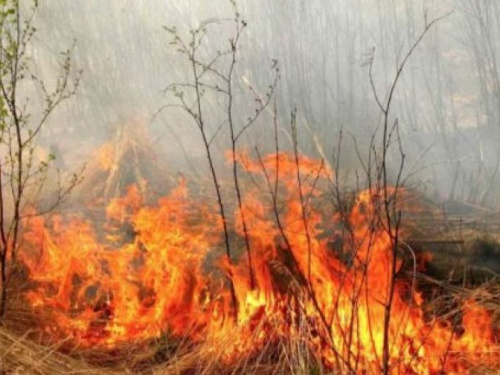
<point x="149" y="289"/>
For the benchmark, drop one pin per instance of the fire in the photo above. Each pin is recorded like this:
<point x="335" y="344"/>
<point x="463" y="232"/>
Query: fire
<point x="106" y="157"/>
<point x="320" y="277"/>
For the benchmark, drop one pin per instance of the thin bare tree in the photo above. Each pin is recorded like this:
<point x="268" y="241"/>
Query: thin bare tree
<point x="22" y="176"/>
<point x="216" y="75"/>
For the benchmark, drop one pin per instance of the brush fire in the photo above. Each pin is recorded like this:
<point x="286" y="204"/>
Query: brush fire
<point x="316" y="277"/>
<point x="249" y="187"/>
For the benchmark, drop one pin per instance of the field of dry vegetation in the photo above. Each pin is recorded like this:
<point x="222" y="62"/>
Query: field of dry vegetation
<point x="277" y="260"/>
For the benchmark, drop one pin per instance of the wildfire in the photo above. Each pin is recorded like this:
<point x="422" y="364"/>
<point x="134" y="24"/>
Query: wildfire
<point x="320" y="277"/>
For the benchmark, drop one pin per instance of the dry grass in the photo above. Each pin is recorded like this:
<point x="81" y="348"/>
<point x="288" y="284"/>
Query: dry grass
<point x="20" y="355"/>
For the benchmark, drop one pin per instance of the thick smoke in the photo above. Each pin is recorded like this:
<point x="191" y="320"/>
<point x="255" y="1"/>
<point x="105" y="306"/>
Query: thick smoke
<point x="447" y="103"/>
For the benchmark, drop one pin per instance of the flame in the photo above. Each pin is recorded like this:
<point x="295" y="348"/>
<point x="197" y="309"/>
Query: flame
<point x="319" y="276"/>
<point x="106" y="156"/>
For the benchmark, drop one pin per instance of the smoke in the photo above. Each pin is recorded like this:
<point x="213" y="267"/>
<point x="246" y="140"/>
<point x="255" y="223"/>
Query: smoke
<point x="447" y="102"/>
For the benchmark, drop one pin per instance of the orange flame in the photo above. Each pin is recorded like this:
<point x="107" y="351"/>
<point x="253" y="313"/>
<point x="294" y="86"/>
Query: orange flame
<point x="313" y="269"/>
